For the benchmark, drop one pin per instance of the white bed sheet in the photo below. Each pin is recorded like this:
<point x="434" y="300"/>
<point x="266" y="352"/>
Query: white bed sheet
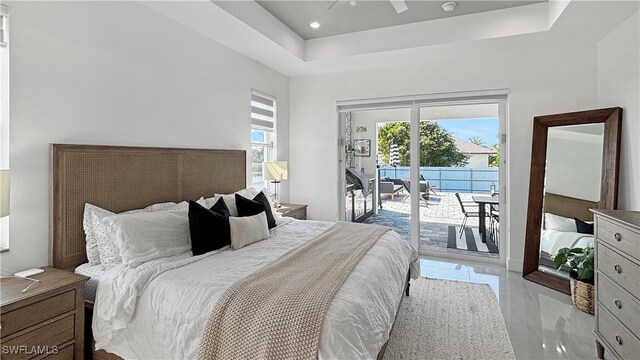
<point x="159" y="310"/>
<point x="551" y="241"/>
<point x="94" y="272"/>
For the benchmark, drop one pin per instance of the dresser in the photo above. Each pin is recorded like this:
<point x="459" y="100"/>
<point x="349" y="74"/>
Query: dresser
<point x="46" y="321"/>
<point x="617" y="261"/>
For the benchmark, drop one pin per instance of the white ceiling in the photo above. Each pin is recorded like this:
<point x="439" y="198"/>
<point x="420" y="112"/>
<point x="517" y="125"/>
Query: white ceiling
<point x="347" y="16"/>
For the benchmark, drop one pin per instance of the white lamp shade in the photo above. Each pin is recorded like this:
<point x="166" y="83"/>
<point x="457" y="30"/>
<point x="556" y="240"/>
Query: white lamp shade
<point x="4" y="193"/>
<point x="275" y="170"/>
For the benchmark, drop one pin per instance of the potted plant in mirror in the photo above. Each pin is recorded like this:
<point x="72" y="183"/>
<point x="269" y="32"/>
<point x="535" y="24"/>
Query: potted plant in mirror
<point x="580" y="261"/>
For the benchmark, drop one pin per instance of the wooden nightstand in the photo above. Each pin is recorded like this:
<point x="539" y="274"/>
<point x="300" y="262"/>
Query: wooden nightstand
<point x="47" y="321"/>
<point x="296" y="211"/>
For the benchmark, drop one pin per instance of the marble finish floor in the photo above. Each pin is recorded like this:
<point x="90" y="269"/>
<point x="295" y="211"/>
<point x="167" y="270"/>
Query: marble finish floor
<point x="542" y="323"/>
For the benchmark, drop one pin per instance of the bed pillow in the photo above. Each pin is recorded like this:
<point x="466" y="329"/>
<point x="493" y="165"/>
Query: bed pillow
<point x="209" y="228"/>
<point x="559" y="223"/>
<point x="584" y="227"/>
<point x="92" y="215"/>
<point x="260" y="203"/>
<point x="100" y="245"/>
<point x="248" y="230"/>
<point x="146" y="236"/>
<point x="230" y="199"/>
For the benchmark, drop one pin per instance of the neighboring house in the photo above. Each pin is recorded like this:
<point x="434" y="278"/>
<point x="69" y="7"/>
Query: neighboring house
<point x="478" y="155"/>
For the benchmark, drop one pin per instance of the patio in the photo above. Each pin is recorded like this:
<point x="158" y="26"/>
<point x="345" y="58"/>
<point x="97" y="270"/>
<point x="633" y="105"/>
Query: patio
<point x="436" y="216"/>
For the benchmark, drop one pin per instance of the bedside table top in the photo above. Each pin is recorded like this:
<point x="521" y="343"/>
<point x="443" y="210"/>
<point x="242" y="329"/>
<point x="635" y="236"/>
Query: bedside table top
<point x="51" y="279"/>
<point x="286" y="207"/>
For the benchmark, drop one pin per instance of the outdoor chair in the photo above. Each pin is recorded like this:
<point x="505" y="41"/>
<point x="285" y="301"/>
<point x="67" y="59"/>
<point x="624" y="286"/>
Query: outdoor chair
<point x="424" y="190"/>
<point x="467" y="214"/>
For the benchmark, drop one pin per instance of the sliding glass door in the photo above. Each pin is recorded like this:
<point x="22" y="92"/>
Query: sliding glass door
<point x="430" y="169"/>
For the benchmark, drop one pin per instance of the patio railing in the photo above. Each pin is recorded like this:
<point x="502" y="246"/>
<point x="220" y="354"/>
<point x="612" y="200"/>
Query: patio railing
<point x="451" y="179"/>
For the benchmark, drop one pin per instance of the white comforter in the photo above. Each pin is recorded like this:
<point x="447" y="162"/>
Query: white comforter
<point x="551" y="241"/>
<point x="159" y="309"/>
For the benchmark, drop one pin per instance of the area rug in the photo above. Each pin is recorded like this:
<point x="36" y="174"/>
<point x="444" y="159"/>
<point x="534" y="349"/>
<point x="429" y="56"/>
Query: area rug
<point x="449" y="320"/>
<point x="470" y="240"/>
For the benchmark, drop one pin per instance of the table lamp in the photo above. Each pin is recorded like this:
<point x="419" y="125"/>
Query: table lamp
<point x="275" y="171"/>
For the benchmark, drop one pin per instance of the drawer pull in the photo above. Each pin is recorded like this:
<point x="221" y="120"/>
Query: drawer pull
<point x="618" y="339"/>
<point x="618" y="304"/>
<point x="617" y="236"/>
<point x="618" y="268"/>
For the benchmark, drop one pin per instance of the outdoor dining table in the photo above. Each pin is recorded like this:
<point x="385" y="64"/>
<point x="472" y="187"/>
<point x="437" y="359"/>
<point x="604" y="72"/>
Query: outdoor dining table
<point x="483" y="201"/>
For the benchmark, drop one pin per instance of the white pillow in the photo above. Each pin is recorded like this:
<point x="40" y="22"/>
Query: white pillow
<point x="230" y="199"/>
<point x="248" y="230"/>
<point x="559" y="223"/>
<point x="145" y="236"/>
<point x="99" y="240"/>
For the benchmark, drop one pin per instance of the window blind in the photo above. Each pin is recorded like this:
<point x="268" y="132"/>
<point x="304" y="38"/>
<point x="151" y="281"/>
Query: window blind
<point x="263" y="111"/>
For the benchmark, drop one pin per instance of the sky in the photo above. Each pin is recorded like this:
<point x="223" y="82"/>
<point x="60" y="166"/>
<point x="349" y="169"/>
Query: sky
<point x="463" y="129"/>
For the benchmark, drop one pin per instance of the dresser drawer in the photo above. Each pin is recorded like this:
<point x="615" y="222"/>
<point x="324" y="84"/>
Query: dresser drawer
<point x="42" y="339"/>
<point x="38" y="312"/>
<point x="619" y="237"/>
<point x="300" y="214"/>
<point x="618" y="337"/>
<point x="620" y="303"/>
<point x="618" y="268"/>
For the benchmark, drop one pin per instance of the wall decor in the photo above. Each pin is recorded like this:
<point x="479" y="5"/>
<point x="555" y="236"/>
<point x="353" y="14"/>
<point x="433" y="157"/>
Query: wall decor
<point x="362" y="147"/>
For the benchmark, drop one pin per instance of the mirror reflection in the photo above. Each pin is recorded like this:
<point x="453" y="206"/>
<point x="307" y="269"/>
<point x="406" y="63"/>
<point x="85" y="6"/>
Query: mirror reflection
<point x="571" y="188"/>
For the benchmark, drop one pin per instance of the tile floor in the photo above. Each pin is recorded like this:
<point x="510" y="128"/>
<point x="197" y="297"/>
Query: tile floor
<point x="542" y="323"/>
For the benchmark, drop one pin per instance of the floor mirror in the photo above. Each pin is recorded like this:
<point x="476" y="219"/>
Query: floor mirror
<point x="574" y="168"/>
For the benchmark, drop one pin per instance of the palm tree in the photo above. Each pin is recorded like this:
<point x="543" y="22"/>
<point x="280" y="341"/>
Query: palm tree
<point x="477" y="140"/>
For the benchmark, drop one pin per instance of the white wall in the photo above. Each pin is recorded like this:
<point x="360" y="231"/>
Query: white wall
<point x="574" y="165"/>
<point x="619" y="85"/>
<point x="478" y="161"/>
<point x="117" y="73"/>
<point x="550" y="72"/>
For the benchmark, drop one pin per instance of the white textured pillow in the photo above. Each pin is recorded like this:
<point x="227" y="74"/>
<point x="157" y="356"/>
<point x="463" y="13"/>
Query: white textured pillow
<point x="248" y="230"/>
<point x="145" y="236"/>
<point x="230" y="199"/>
<point x="559" y="223"/>
<point x="100" y="245"/>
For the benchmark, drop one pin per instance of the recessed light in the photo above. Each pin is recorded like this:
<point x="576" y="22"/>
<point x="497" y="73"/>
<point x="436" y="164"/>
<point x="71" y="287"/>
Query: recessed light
<point x="314" y="25"/>
<point x="448" y="6"/>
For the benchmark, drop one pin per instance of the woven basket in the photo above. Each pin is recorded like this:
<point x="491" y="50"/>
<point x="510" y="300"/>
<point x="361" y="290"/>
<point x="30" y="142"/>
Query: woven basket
<point x="583" y="295"/>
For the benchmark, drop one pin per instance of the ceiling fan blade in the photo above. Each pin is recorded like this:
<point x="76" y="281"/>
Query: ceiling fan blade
<point x="399" y="5"/>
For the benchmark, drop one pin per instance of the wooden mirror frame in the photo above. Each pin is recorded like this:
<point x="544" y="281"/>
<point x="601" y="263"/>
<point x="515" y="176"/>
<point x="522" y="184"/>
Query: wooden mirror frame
<point x="612" y="119"/>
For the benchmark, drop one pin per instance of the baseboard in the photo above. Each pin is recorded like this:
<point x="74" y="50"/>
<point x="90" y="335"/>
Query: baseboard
<point x="515" y="265"/>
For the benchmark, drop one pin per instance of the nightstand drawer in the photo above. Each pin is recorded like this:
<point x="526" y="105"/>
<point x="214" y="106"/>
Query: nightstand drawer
<point x="300" y="214"/>
<point x="38" y="312"/>
<point x="65" y="353"/>
<point x="41" y="339"/>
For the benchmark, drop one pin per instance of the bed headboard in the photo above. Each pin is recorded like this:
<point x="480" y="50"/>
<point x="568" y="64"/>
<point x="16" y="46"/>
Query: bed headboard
<point x="568" y="206"/>
<point x="119" y="178"/>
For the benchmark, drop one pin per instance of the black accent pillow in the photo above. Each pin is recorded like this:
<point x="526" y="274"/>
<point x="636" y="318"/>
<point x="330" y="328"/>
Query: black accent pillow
<point x="221" y="207"/>
<point x="260" y="203"/>
<point x="209" y="229"/>
<point x="583" y="227"/>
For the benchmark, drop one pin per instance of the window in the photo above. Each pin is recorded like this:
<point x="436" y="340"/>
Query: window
<point x="4" y="112"/>
<point x="263" y="134"/>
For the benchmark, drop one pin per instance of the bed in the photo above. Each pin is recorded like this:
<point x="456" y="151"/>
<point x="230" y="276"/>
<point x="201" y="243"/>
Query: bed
<point x="176" y="293"/>
<point x="562" y="210"/>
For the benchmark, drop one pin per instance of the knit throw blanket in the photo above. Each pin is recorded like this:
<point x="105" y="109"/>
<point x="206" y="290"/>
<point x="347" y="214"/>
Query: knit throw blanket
<point x="278" y="311"/>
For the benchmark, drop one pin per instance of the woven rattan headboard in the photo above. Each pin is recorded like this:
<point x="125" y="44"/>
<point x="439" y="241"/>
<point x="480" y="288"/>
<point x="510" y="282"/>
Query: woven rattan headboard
<point x="568" y="207"/>
<point x="120" y="178"/>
